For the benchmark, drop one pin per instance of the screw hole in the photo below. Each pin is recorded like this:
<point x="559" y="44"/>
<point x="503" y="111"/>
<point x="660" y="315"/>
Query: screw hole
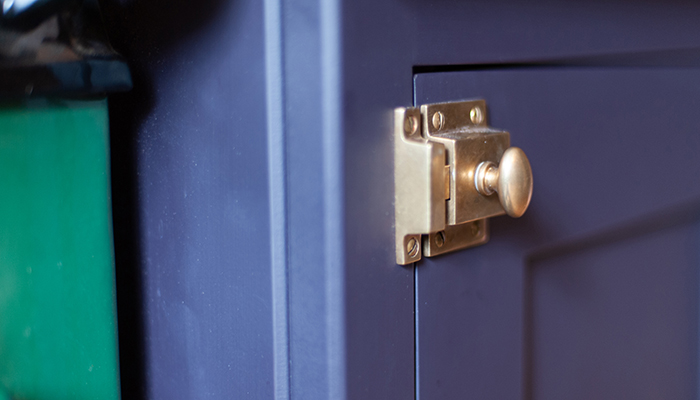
<point x="440" y="239"/>
<point x="475" y="228"/>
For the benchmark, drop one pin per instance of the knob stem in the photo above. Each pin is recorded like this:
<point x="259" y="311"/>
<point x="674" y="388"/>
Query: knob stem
<point x="486" y="178"/>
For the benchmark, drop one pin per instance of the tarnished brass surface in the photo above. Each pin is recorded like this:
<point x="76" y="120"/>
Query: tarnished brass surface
<point x="515" y="182"/>
<point x="456" y="237"/>
<point x="512" y="180"/>
<point x="467" y="145"/>
<point x="486" y="178"/>
<point x="419" y="185"/>
<point x="447" y="182"/>
<point x="446" y="170"/>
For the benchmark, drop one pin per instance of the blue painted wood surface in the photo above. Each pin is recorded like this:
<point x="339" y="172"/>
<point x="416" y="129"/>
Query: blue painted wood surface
<point x="593" y="293"/>
<point x="198" y="196"/>
<point x="195" y="126"/>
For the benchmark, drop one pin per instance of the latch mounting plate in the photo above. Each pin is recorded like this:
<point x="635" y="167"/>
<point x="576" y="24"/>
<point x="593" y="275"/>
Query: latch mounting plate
<point x="437" y="148"/>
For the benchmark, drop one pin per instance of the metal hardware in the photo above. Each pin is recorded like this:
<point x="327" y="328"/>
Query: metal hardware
<point x="447" y="182"/>
<point x="476" y="115"/>
<point x="456" y="237"/>
<point x="438" y="120"/>
<point x="446" y="170"/>
<point x="419" y="169"/>
<point x="512" y="181"/>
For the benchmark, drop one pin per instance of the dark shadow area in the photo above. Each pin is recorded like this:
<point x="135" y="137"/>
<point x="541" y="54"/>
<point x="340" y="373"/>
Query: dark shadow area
<point x="127" y="246"/>
<point x="676" y="58"/>
<point x="140" y="31"/>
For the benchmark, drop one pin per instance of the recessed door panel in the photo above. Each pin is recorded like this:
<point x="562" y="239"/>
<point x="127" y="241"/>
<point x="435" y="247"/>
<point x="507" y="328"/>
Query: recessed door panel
<point x="593" y="293"/>
<point x="615" y="320"/>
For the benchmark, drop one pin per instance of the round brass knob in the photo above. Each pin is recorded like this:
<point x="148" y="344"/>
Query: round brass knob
<point x="511" y="179"/>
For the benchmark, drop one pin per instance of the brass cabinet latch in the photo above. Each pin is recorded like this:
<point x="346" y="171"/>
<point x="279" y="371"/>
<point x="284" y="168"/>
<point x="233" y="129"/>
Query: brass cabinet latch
<point x="451" y="172"/>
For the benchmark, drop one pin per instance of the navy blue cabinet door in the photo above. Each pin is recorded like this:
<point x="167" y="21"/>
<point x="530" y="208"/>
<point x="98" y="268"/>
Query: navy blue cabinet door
<point x="593" y="294"/>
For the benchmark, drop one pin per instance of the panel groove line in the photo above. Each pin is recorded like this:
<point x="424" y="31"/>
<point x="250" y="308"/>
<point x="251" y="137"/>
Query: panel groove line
<point x="274" y="49"/>
<point x="333" y="195"/>
<point x="681" y="213"/>
<point x="416" y="343"/>
<point x="679" y="58"/>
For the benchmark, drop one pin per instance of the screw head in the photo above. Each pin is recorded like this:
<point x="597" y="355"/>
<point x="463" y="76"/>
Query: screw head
<point x="440" y="239"/>
<point x="438" y="120"/>
<point x="410" y="125"/>
<point x="412" y="248"/>
<point x="476" y="115"/>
